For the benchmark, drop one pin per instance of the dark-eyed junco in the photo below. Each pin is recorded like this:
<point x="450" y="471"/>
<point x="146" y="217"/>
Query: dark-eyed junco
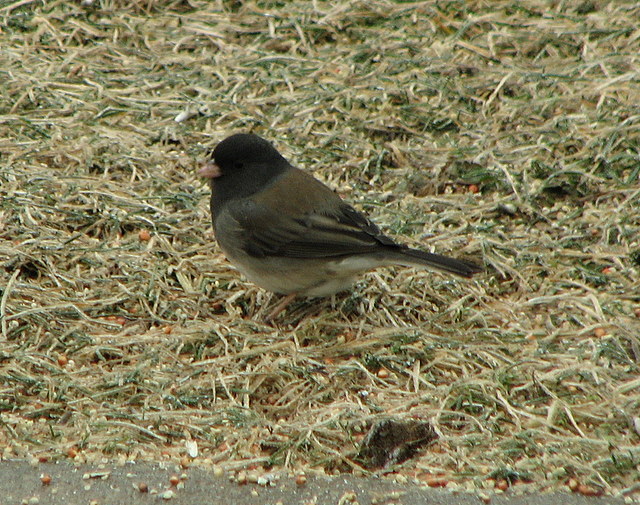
<point x="289" y="233"/>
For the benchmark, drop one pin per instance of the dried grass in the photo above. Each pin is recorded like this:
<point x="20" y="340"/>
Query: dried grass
<point x="120" y="346"/>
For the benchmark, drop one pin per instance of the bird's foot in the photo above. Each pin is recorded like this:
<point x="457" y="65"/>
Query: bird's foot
<point x="280" y="307"/>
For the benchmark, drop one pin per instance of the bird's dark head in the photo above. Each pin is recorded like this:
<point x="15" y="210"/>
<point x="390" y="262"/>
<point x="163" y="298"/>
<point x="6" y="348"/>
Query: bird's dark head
<point x="241" y="165"/>
<point x="242" y="149"/>
<point x="240" y="152"/>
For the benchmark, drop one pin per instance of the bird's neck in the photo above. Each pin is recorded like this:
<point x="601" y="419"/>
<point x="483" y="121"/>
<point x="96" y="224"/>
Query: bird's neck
<point x="243" y="184"/>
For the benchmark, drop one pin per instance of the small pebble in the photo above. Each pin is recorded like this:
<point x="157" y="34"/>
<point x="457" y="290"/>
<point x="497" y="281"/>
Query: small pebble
<point x="167" y="495"/>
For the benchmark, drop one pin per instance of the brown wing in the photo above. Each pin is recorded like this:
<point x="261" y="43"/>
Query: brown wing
<point x="311" y="222"/>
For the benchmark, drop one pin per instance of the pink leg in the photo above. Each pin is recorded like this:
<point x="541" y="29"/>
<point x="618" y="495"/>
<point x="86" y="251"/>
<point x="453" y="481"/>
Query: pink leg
<point x="280" y="307"/>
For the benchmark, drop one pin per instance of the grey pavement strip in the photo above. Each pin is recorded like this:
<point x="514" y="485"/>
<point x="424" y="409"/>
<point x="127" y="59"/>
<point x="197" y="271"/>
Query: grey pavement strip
<point x="112" y="484"/>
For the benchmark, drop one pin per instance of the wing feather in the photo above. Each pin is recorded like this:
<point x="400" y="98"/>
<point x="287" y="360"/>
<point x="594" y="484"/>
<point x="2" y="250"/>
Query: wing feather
<point x="320" y="226"/>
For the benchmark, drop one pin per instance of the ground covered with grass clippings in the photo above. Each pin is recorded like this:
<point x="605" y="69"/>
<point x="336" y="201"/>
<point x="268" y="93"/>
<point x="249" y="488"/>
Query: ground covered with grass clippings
<point x="504" y="132"/>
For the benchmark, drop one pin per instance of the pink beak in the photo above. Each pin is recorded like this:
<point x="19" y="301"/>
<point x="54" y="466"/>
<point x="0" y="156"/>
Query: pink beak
<point x="210" y="170"/>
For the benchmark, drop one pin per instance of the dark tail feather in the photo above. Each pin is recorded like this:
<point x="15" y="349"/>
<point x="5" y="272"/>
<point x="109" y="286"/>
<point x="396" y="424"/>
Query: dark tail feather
<point x="414" y="257"/>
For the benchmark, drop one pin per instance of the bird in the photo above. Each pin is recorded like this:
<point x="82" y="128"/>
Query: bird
<point x="291" y="234"/>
